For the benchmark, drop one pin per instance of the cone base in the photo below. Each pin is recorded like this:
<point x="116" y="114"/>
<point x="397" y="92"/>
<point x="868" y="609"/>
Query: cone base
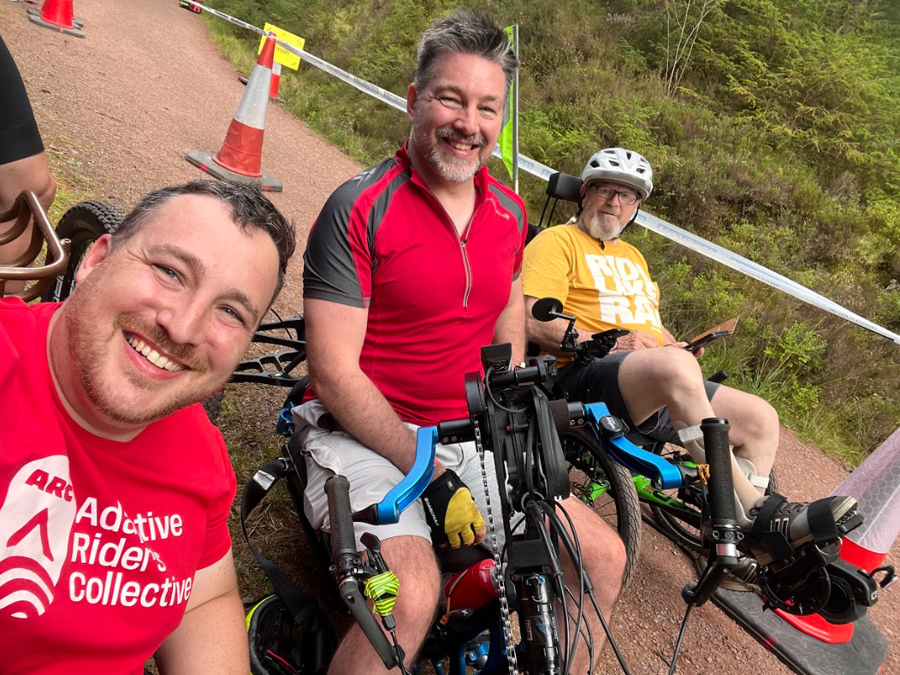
<point x="244" y="80"/>
<point x="204" y="161"/>
<point x="75" y="31"/>
<point x="36" y="11"/>
<point x="864" y="654"/>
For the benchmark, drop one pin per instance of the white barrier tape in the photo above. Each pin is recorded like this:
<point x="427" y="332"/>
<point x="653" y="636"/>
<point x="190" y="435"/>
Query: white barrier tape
<point x="758" y="272"/>
<point x="652" y="223"/>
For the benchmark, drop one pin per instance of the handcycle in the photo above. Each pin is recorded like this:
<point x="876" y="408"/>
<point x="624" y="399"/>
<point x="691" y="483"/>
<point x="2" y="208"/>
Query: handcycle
<point x="511" y="417"/>
<point x="811" y="581"/>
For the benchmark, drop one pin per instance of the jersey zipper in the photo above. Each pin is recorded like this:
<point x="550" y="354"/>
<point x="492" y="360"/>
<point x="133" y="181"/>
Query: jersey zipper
<point x="462" y="240"/>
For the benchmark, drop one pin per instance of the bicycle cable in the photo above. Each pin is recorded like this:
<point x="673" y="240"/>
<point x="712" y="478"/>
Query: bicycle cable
<point x="582" y="584"/>
<point x="574" y="549"/>
<point x="585" y="627"/>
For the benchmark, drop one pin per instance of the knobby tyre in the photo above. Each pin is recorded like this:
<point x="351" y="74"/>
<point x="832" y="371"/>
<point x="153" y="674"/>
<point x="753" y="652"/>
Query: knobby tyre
<point x="83" y="224"/>
<point x="608" y="488"/>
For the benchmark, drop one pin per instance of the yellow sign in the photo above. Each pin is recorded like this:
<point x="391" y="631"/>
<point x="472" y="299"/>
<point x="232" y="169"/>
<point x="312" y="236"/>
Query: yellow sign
<point x="282" y="55"/>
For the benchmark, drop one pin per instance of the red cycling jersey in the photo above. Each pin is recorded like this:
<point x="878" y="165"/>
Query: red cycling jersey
<point x="383" y="241"/>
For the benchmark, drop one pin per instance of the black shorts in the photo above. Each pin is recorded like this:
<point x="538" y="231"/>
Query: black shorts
<point x="19" y="135"/>
<point x="598" y="382"/>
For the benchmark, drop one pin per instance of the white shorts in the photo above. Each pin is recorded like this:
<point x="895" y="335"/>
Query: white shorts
<point x="371" y="476"/>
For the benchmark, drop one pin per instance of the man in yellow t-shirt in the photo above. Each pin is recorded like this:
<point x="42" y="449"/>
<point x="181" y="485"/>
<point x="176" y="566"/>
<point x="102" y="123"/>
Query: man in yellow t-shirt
<point x="604" y="282"/>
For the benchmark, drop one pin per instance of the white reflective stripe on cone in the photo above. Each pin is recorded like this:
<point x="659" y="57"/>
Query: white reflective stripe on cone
<point x="253" y="106"/>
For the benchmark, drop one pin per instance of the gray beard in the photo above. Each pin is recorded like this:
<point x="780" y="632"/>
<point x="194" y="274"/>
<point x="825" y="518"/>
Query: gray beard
<point x="595" y="226"/>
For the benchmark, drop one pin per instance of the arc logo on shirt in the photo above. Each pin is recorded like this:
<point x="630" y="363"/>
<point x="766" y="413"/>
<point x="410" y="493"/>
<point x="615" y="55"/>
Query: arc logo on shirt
<point x="36" y="519"/>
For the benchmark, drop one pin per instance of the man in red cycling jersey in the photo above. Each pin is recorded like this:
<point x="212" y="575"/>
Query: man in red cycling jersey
<point x="114" y="487"/>
<point x="411" y="267"/>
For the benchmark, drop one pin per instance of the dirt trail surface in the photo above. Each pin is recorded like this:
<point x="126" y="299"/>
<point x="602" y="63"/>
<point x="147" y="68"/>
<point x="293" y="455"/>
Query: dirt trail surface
<point x="146" y="86"/>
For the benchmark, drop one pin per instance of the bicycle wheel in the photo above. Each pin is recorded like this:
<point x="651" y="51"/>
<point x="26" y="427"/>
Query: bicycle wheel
<point x="83" y="224"/>
<point x="607" y="486"/>
<point x="690" y="496"/>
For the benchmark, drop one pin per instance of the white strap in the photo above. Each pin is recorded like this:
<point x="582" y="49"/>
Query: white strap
<point x="693" y="433"/>
<point x="757" y="481"/>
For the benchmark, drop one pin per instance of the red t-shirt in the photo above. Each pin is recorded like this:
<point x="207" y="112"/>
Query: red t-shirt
<point x="99" y="539"/>
<point x="383" y="241"/>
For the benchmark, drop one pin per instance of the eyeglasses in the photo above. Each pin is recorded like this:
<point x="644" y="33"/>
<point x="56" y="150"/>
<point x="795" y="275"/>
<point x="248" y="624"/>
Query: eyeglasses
<point x="607" y="193"/>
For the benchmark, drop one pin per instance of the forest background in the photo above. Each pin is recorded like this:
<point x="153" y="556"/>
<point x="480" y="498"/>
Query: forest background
<point x="773" y="128"/>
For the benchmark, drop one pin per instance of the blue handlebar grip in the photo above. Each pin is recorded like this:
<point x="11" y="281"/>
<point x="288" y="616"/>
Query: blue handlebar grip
<point x="414" y="483"/>
<point x="662" y="474"/>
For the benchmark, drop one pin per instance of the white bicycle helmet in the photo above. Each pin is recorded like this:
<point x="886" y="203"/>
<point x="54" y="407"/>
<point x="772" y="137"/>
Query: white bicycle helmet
<point x="620" y="166"/>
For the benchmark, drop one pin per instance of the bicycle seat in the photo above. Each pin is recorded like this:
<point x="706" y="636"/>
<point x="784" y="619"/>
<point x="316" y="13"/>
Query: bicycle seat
<point x="453" y="560"/>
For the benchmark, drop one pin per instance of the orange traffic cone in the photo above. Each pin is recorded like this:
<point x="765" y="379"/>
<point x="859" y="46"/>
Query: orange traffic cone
<point x="276" y="78"/>
<point x="273" y="89"/>
<point x="57" y="15"/>
<point x="240" y="158"/>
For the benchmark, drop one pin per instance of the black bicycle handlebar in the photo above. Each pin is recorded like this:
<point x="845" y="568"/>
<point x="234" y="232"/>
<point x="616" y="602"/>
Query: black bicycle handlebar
<point x="337" y="488"/>
<point x="346" y="567"/>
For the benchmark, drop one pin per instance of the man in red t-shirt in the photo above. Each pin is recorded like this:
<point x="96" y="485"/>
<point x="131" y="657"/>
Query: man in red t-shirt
<point x="411" y="267"/>
<point x="114" y="487"/>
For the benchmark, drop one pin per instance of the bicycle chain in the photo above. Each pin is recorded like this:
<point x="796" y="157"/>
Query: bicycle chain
<point x="498" y="564"/>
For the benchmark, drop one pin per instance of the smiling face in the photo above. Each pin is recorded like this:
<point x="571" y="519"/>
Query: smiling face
<point x="160" y="321"/>
<point x="457" y="118"/>
<point x="605" y="218"/>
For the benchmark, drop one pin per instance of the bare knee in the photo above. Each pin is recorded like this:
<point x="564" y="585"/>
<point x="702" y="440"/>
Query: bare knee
<point x="603" y="553"/>
<point x="605" y="560"/>
<point x="678" y="369"/>
<point x="46" y="192"/>
<point x="412" y="559"/>
<point x="31" y="173"/>
<point x="754" y="421"/>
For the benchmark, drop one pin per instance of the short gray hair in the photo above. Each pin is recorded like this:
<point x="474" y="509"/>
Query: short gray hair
<point x="249" y="209"/>
<point x="464" y="32"/>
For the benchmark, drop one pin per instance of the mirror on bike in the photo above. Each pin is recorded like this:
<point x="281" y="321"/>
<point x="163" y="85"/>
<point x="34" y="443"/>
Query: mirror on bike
<point x="547" y="309"/>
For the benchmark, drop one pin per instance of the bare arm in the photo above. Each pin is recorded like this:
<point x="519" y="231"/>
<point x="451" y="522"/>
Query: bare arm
<point x="211" y="637"/>
<point x="334" y="338"/>
<point x="511" y="323"/>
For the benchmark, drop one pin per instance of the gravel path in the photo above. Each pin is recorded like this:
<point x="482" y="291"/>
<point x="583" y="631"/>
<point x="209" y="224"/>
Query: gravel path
<point x="146" y="86"/>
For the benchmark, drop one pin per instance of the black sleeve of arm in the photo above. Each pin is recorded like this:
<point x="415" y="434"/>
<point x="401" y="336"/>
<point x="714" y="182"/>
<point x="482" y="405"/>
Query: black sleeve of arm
<point x="329" y="264"/>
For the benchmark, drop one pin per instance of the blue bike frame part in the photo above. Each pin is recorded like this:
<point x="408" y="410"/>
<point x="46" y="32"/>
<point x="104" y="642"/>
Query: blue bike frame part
<point x="663" y="474"/>
<point x="409" y="489"/>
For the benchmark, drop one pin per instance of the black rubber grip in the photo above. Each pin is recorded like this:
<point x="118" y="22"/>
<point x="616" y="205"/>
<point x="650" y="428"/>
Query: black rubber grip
<point x="559" y="411"/>
<point x="718" y="455"/>
<point x="342" y="540"/>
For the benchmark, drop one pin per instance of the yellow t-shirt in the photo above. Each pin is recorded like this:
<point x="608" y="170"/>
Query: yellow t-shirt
<point x="603" y="287"/>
